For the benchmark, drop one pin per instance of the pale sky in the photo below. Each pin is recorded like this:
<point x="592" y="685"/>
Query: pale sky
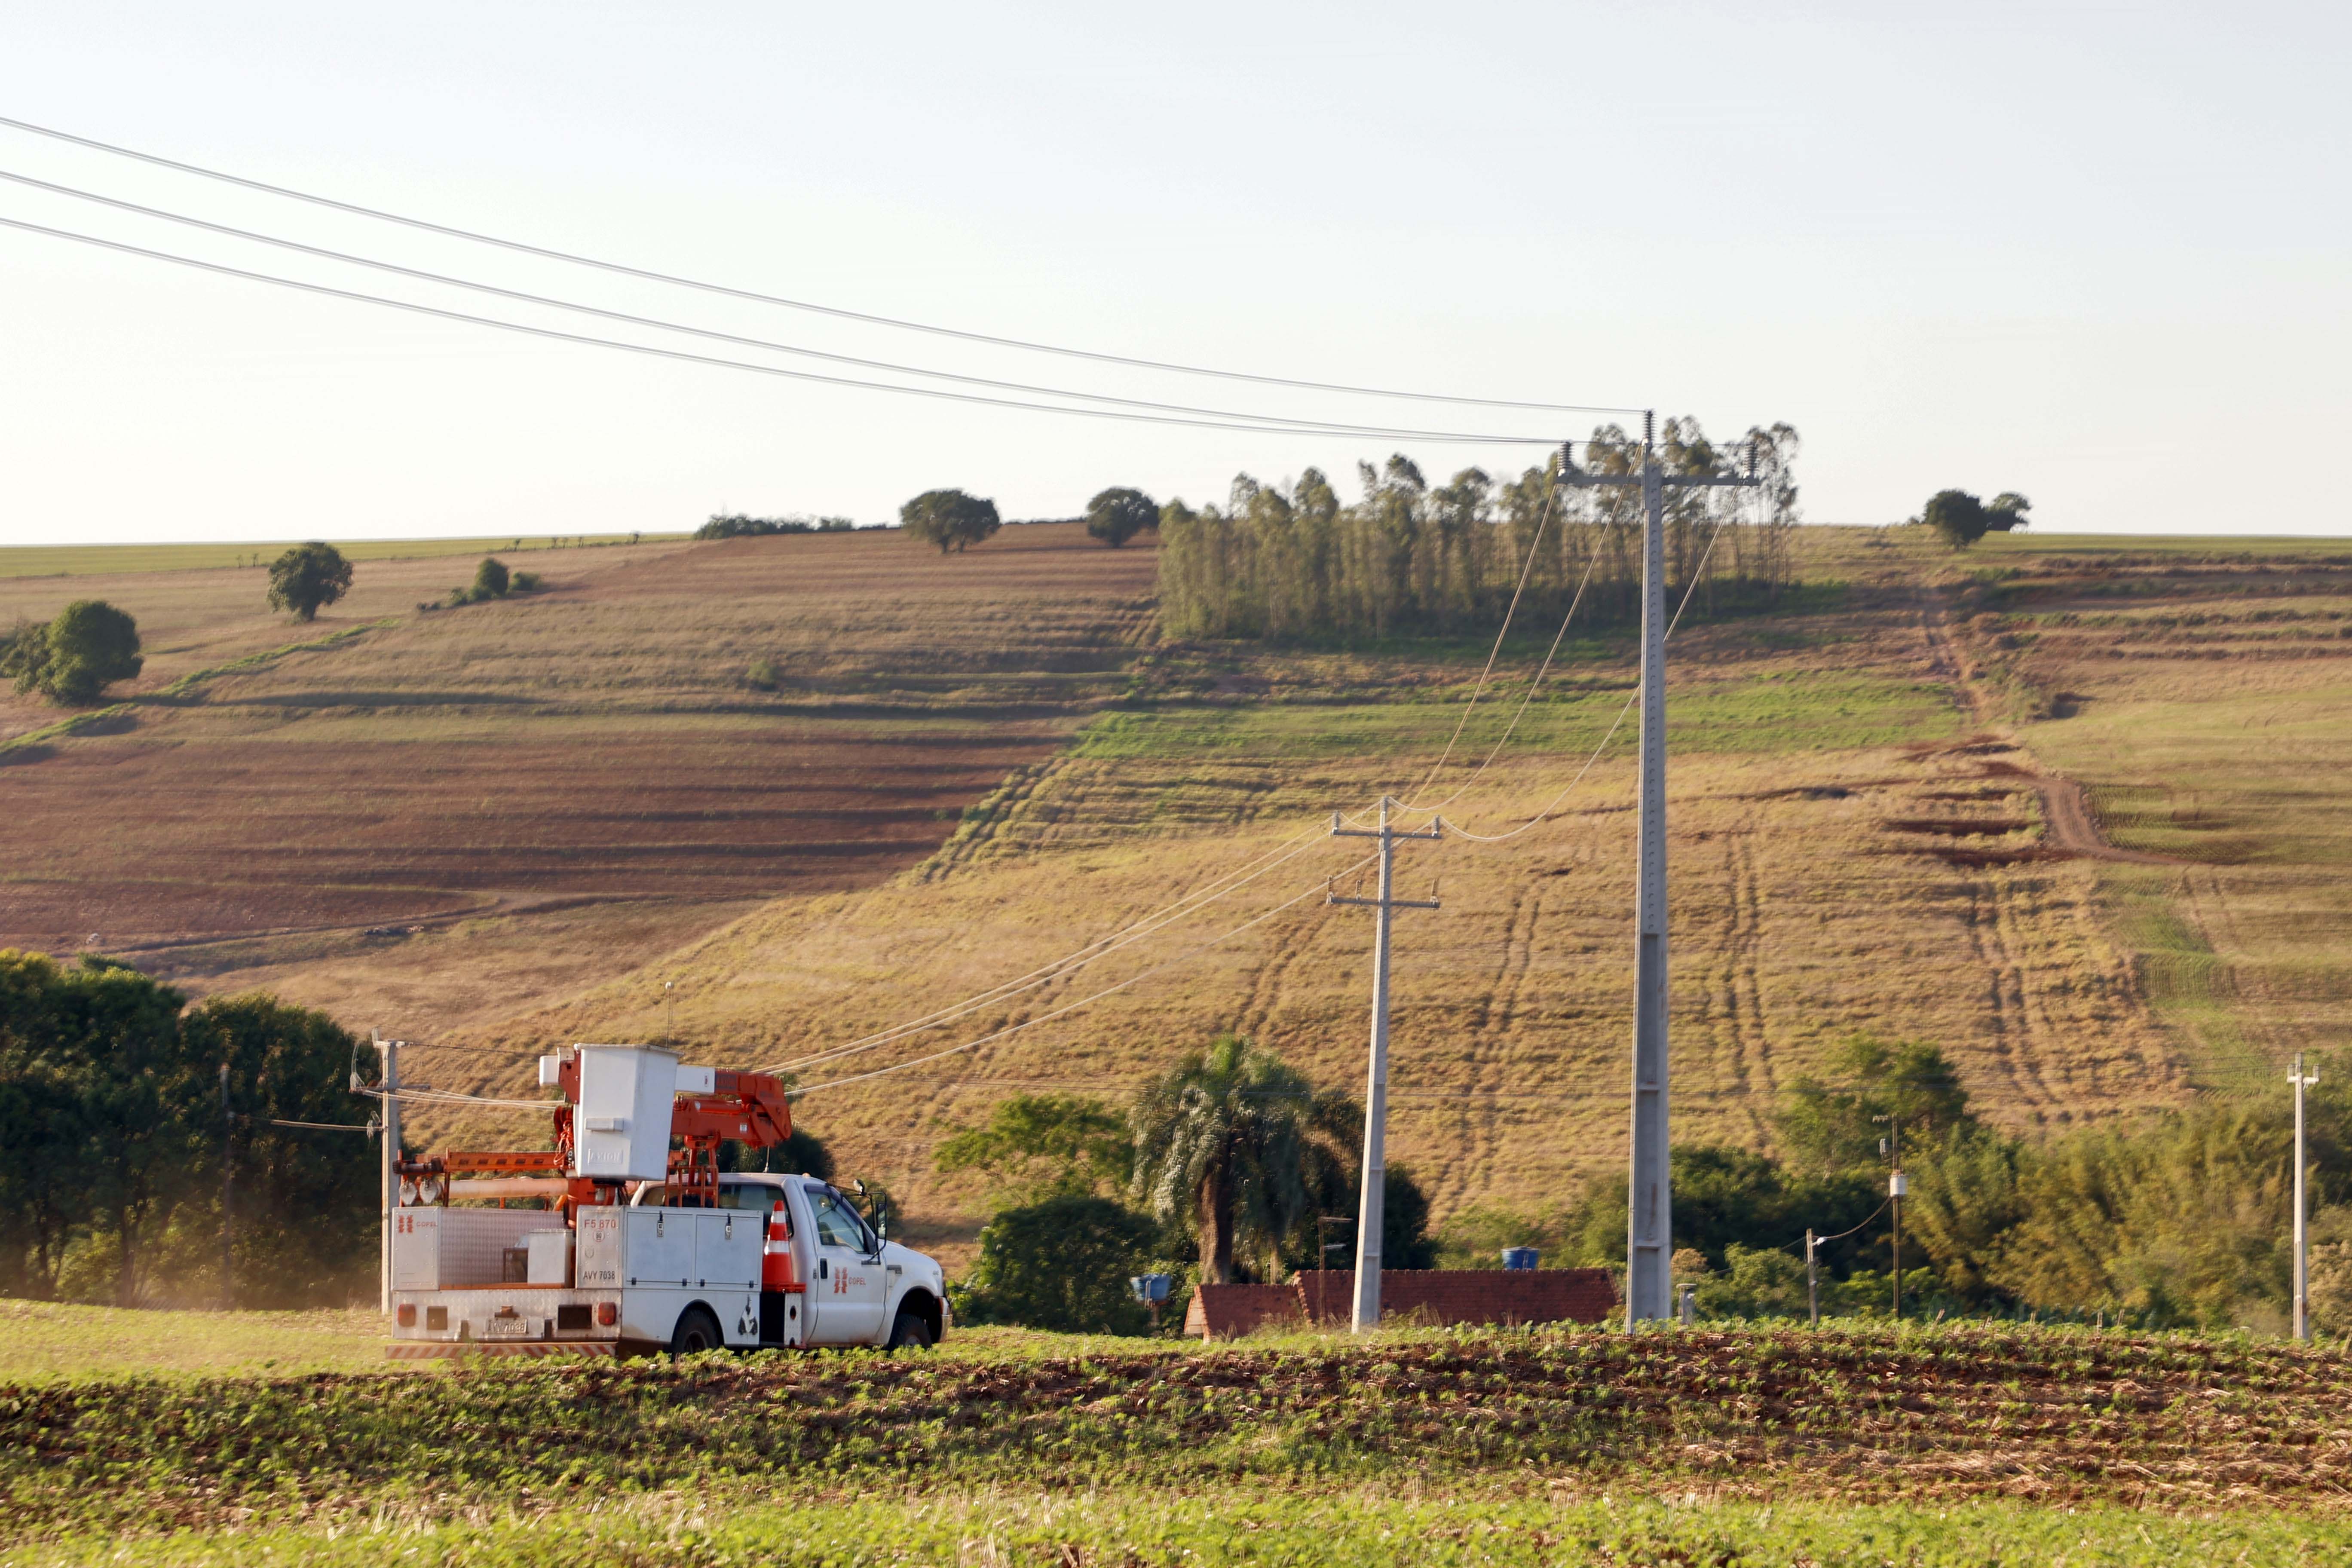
<point x="2095" y="254"/>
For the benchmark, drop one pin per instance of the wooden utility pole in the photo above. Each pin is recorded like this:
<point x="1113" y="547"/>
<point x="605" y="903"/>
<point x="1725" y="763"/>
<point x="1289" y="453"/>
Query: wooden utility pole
<point x="1368" y="1204"/>
<point x="1649" y="1240"/>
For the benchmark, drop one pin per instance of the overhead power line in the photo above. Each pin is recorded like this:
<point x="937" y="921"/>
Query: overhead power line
<point x="654" y="350"/>
<point x="660" y="324"/>
<point x="836" y="312"/>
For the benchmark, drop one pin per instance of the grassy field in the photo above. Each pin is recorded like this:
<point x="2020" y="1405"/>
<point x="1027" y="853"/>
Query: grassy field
<point x="463" y="810"/>
<point x="1924" y="1445"/>
<point x="43" y="1342"/>
<point x="111" y="561"/>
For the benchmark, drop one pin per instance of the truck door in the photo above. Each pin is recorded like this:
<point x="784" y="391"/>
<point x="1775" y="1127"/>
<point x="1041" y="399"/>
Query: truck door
<point x="845" y="1292"/>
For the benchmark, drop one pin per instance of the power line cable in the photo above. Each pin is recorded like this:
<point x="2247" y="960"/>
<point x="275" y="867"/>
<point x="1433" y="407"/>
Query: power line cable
<point x="1128" y="936"/>
<point x="939" y="393"/>
<point x="659" y="324"/>
<point x="1631" y="698"/>
<point x="1542" y="672"/>
<point x="1527" y="567"/>
<point x="833" y="310"/>
<point x="1083" y="1001"/>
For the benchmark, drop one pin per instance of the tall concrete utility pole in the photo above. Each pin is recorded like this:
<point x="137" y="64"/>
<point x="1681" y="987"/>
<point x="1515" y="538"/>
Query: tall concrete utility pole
<point x="1649" y="1240"/>
<point x="1368" y="1208"/>
<point x="2302" y="1208"/>
<point x="388" y="1053"/>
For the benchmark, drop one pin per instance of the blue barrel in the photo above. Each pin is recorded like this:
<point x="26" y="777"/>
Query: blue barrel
<point x="1519" y="1257"/>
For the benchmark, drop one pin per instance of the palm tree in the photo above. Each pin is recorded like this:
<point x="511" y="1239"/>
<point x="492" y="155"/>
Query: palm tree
<point x="1242" y="1150"/>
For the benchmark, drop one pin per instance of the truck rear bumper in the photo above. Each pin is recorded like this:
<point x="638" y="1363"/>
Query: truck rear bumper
<point x="459" y="1349"/>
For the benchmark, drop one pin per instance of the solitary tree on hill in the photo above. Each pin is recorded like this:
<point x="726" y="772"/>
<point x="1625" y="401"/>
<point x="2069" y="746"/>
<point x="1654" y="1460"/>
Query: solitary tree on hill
<point x="308" y="578"/>
<point x="88" y="647"/>
<point x="949" y="519"/>
<point x="1961" y="519"/>
<point x="1239" y="1147"/>
<point x="1118" y="514"/>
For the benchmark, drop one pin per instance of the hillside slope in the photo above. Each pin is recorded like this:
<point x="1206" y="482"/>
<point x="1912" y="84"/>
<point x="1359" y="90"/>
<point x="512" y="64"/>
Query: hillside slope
<point x="1861" y="841"/>
<point x="462" y="809"/>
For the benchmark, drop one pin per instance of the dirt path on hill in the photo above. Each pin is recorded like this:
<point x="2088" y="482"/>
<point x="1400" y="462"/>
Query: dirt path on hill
<point x="2073" y="825"/>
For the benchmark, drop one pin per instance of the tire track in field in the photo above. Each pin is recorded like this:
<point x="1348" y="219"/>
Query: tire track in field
<point x="2009" y="1018"/>
<point x="1738" y="986"/>
<point x="1492" y="1039"/>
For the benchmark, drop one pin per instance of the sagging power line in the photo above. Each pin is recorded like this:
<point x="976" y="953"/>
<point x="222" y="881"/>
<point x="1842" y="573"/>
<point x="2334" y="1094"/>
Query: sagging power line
<point x="899" y="324"/>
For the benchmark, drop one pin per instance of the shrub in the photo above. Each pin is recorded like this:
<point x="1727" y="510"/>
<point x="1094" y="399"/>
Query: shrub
<point x="1063" y="1264"/>
<point x="764" y="675"/>
<point x="491" y="579"/>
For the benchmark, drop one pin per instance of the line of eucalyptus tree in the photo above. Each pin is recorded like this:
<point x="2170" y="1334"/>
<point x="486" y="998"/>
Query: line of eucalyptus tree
<point x="1293" y="562"/>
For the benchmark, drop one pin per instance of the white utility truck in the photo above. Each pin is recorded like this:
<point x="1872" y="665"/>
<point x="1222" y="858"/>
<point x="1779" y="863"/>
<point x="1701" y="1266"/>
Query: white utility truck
<point x="637" y="1247"/>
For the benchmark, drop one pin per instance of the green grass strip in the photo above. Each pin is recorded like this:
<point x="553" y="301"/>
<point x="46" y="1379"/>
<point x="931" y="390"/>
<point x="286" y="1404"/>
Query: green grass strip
<point x="190" y="682"/>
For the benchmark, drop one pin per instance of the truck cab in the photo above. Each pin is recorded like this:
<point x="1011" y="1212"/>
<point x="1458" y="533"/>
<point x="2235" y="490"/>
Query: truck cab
<point x="853" y="1287"/>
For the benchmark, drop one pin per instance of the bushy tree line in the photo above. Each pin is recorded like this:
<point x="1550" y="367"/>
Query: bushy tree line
<point x="2178" y="1218"/>
<point x="114" y="1129"/>
<point x="735" y="525"/>
<point x="1296" y="563"/>
<point x="1220" y="1169"/>
<point x="492" y="580"/>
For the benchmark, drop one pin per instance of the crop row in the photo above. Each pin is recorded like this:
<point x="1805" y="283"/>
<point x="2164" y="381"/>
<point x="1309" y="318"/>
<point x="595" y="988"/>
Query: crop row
<point x="2051" y="1416"/>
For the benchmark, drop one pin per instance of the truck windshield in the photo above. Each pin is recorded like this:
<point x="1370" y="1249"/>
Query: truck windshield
<point x="838" y="1224"/>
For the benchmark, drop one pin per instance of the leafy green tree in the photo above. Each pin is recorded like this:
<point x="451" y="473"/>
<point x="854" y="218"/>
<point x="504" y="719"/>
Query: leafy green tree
<point x="308" y="578"/>
<point x="949" y="519"/>
<point x="1726" y="1196"/>
<point x="1244" y="1152"/>
<point x="1041" y="1146"/>
<point x="2007" y="512"/>
<point x="1755" y="1282"/>
<point x="47" y="1146"/>
<point x="1828" y="1127"/>
<point x="1064" y="1264"/>
<point x="1118" y="515"/>
<point x="1406" y="1241"/>
<point x="73" y="658"/>
<point x="1956" y="515"/>
<point x="143" y="1103"/>
<point x="1966" y="1198"/>
<point x="490" y="579"/>
<point x="303" y="1197"/>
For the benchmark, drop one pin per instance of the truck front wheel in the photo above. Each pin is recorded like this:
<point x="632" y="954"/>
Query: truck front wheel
<point x="696" y="1331"/>
<point x="909" y="1332"/>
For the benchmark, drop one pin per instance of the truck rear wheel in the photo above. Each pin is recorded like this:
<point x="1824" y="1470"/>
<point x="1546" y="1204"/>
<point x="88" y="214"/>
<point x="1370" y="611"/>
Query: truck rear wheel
<point x="696" y="1331"/>
<point x="909" y="1332"/>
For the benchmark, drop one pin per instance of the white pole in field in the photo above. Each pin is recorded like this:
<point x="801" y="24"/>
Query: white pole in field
<point x="389" y="1052"/>
<point x="2302" y="1209"/>
<point x="1369" y="1202"/>
<point x="1649" y="1219"/>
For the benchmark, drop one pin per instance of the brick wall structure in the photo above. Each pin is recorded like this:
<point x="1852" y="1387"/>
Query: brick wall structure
<point x="1327" y="1297"/>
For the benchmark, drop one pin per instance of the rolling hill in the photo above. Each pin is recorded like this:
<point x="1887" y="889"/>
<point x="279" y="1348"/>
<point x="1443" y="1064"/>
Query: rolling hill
<point x="2065" y="807"/>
